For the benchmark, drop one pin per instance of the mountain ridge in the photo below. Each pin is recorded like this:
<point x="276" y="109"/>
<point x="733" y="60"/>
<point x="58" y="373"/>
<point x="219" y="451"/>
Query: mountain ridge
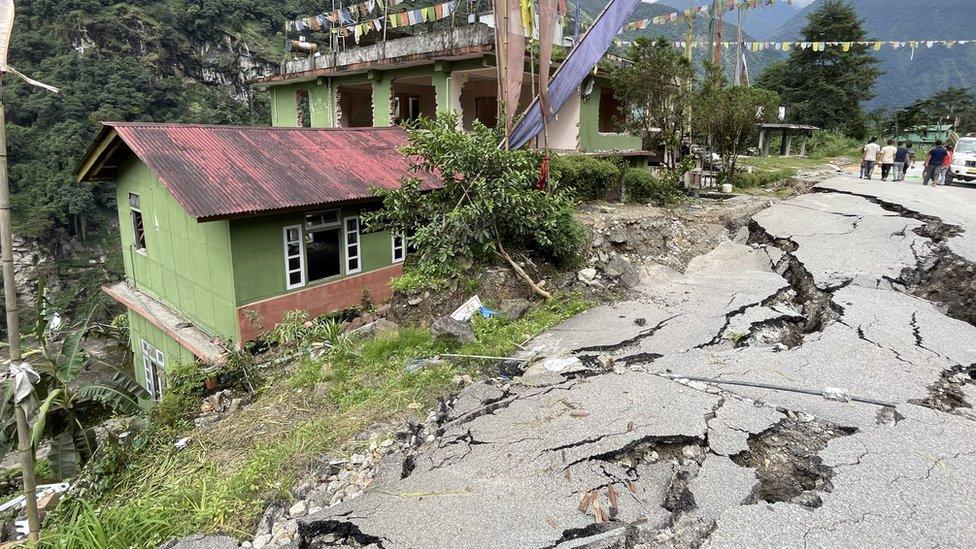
<point x="932" y="69"/>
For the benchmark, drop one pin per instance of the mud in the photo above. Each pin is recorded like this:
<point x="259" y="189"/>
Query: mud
<point x="786" y="461"/>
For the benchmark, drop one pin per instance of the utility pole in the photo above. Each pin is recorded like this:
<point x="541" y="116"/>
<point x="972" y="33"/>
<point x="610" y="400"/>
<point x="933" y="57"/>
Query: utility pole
<point x="13" y="329"/>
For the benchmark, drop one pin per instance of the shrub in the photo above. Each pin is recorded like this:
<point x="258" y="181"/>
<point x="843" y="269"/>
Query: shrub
<point x="760" y="178"/>
<point x="641" y="186"/>
<point x="825" y="144"/>
<point x="488" y="202"/>
<point x="586" y="177"/>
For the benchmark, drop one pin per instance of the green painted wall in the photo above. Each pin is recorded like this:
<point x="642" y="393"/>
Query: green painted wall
<point x="322" y="97"/>
<point x="141" y="329"/>
<point x="591" y="140"/>
<point x="187" y="265"/>
<point x="284" y="106"/>
<point x="259" y="255"/>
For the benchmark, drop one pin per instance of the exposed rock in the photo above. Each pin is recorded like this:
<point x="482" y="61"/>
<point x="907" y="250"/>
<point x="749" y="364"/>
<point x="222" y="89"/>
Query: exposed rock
<point x="587" y="275"/>
<point x="448" y="328"/>
<point x="514" y="308"/>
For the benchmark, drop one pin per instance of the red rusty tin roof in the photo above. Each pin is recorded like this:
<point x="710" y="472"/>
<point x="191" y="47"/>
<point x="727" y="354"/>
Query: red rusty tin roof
<point x="218" y="172"/>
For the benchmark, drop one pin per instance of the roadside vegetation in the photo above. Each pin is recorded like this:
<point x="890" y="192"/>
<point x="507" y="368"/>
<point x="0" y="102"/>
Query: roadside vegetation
<point x="144" y="491"/>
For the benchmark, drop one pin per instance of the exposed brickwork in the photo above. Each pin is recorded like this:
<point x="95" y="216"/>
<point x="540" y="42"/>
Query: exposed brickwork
<point x="260" y="316"/>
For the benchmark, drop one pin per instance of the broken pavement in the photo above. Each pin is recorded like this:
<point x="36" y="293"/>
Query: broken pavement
<point x="820" y="296"/>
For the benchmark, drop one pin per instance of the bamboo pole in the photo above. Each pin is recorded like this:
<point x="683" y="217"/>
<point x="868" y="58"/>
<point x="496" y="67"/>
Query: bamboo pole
<point x="13" y="330"/>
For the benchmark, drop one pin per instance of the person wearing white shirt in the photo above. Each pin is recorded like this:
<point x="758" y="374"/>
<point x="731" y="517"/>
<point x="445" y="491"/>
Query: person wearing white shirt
<point x="869" y="157"/>
<point x="888" y="153"/>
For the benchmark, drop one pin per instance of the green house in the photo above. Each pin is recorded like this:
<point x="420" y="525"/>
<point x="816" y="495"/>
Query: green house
<point x="926" y="136"/>
<point x="453" y="69"/>
<point x="224" y="229"/>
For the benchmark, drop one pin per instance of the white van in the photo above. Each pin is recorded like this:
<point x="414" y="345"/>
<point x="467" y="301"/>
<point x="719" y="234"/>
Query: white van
<point x="963" y="168"/>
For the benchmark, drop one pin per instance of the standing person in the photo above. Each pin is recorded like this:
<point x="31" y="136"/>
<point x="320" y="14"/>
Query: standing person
<point x="934" y="164"/>
<point x="946" y="178"/>
<point x="869" y="157"/>
<point x="910" y="159"/>
<point x="901" y="162"/>
<point x="888" y="153"/>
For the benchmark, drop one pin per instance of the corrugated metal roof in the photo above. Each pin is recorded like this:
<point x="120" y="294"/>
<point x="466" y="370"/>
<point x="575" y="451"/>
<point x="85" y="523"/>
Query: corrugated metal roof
<point x="229" y="171"/>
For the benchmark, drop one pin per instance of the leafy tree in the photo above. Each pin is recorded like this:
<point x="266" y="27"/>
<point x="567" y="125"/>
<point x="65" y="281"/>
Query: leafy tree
<point x="489" y="202"/>
<point x="947" y="106"/>
<point x="728" y="116"/>
<point x="652" y="86"/>
<point x="62" y="403"/>
<point x="826" y="88"/>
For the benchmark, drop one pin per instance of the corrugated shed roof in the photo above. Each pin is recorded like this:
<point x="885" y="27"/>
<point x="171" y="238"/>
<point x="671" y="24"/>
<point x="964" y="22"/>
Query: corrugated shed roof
<point x="229" y="171"/>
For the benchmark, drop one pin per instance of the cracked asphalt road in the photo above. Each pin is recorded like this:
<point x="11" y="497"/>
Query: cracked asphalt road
<point x="634" y="450"/>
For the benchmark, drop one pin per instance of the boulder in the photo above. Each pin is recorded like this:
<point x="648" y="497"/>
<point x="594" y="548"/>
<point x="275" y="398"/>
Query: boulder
<point x="448" y="328"/>
<point x="587" y="275"/>
<point x="514" y="308"/>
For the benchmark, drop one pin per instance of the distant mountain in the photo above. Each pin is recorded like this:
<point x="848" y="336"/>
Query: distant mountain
<point x="760" y="23"/>
<point x="933" y="69"/>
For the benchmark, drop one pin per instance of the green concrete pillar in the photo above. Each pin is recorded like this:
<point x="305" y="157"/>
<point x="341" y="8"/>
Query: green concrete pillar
<point x="381" y="99"/>
<point x="441" y="80"/>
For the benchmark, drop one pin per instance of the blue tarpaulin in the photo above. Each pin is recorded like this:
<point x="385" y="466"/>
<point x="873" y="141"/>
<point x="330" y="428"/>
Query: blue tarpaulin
<point x="574" y="69"/>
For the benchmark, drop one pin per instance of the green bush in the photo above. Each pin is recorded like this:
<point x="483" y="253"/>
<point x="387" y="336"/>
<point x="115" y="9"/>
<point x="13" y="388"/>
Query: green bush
<point x="586" y="177"/>
<point x="825" y="144"/>
<point x="641" y="186"/>
<point x="760" y="178"/>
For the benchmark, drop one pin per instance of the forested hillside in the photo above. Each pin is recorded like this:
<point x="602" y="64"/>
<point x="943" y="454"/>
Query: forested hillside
<point x="760" y="23"/>
<point x="180" y="60"/>
<point x="933" y="69"/>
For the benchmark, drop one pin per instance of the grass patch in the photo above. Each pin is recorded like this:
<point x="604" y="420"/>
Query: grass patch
<point x="780" y="163"/>
<point x="145" y="493"/>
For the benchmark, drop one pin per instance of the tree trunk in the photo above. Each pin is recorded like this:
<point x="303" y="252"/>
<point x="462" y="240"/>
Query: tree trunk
<point x="519" y="271"/>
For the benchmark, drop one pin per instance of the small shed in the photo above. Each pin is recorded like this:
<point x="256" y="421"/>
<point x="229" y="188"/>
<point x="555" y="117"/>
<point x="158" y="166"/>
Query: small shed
<point x="802" y="131"/>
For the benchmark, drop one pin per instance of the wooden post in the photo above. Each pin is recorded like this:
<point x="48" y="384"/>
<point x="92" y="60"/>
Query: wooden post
<point x="784" y="147"/>
<point x="803" y="145"/>
<point x="766" y="144"/>
<point x="13" y="330"/>
<point x="762" y="140"/>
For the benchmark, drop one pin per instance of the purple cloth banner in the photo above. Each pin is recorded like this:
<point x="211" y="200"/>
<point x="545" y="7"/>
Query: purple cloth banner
<point x="574" y="69"/>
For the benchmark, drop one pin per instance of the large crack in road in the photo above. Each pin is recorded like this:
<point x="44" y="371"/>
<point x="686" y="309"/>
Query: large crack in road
<point x="833" y="293"/>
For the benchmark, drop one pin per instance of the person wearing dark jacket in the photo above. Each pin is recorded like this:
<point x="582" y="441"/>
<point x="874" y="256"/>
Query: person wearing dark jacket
<point x="934" y="164"/>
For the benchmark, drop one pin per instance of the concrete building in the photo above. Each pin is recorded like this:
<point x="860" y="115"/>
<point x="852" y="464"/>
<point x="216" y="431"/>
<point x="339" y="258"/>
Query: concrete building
<point x="452" y="69"/>
<point x="224" y="229"/>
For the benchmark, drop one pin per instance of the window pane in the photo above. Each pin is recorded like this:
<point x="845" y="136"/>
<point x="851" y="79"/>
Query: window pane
<point x="353" y="263"/>
<point x="352" y="238"/>
<point x="294" y="264"/>
<point x="294" y="250"/>
<point x="292" y="235"/>
<point x="295" y="277"/>
<point x="133" y="200"/>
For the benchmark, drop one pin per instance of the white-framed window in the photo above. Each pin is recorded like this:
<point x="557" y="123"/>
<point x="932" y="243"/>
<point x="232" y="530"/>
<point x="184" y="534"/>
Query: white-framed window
<point x="138" y="226"/>
<point x="399" y="247"/>
<point x="353" y="264"/>
<point x="153" y="369"/>
<point x="323" y="244"/>
<point x="294" y="256"/>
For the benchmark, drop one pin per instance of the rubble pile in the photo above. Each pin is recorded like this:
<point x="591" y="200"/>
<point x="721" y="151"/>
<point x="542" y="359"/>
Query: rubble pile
<point x="218" y="405"/>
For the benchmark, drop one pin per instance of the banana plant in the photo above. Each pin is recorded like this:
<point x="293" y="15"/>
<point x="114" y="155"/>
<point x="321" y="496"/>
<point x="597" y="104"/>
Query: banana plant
<point x="63" y="407"/>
